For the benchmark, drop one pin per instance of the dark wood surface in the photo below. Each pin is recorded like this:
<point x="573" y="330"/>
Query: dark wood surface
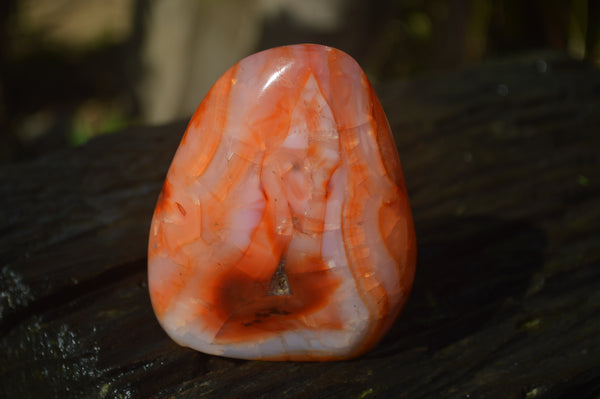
<point x="503" y="169"/>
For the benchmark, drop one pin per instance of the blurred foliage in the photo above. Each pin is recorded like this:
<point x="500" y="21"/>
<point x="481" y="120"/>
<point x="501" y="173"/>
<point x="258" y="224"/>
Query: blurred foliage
<point x="61" y="84"/>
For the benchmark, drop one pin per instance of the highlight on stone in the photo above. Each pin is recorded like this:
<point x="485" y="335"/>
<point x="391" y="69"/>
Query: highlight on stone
<point x="283" y="230"/>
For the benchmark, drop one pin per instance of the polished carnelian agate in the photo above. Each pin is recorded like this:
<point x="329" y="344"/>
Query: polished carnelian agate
<point x="283" y="229"/>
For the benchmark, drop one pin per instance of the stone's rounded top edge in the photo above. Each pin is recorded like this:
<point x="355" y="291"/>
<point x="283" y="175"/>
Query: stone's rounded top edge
<point x="314" y="47"/>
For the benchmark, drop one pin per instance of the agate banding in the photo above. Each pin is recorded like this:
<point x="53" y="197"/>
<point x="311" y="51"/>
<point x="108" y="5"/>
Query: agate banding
<point x="283" y="230"/>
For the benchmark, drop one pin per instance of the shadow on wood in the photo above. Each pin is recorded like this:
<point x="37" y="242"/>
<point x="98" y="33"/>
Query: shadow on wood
<point x="470" y="270"/>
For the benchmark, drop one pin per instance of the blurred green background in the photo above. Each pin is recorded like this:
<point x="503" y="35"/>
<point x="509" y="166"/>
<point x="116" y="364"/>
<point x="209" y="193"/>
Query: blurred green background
<point x="74" y="69"/>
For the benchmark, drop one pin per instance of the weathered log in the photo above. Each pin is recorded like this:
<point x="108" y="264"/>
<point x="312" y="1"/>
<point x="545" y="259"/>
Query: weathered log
<point x="501" y="162"/>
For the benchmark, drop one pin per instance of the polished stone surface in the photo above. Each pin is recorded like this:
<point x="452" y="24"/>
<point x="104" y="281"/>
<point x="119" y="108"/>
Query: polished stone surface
<point x="283" y="230"/>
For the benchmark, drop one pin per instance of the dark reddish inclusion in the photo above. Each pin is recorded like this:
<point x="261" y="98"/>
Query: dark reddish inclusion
<point x="181" y="208"/>
<point x="249" y="312"/>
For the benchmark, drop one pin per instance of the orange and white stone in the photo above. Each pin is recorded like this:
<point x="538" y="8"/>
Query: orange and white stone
<point x="283" y="230"/>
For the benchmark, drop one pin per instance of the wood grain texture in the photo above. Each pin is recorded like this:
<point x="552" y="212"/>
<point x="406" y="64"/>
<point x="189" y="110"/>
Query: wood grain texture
<point x="501" y="164"/>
